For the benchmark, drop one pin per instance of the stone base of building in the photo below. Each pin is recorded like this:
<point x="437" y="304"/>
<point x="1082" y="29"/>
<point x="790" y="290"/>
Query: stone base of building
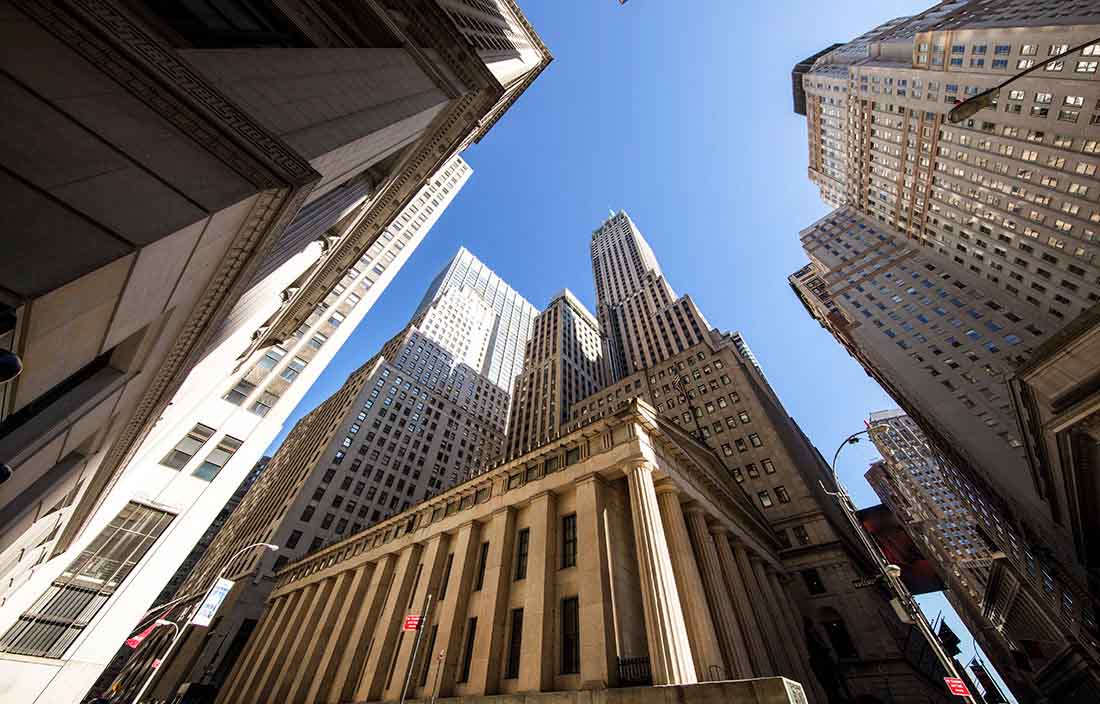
<point x="762" y="690"/>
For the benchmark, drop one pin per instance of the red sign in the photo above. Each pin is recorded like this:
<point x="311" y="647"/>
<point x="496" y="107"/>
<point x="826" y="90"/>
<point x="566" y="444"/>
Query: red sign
<point x="156" y="663"/>
<point x="956" y="686"/>
<point x="412" y="623"/>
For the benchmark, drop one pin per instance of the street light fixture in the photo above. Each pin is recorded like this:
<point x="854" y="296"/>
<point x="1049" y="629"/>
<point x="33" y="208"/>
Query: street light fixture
<point x="183" y="629"/>
<point x="890" y="573"/>
<point x="968" y="108"/>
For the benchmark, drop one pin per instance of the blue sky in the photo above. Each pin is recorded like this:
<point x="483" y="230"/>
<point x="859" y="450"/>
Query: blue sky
<point x="681" y="114"/>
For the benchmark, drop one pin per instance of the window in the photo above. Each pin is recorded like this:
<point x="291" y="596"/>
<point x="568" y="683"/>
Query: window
<point x="58" y="617"/>
<point x="743" y="416"/>
<point x="482" y="561"/>
<point x="522" y="545"/>
<point x="515" y="642"/>
<point x="240" y="392"/>
<point x="838" y="636"/>
<point x="782" y="495"/>
<point x="801" y="535"/>
<point x="264" y="403"/>
<point x="1085" y="67"/>
<point x="813" y="581"/>
<point x="769" y="467"/>
<point x="765" y="498"/>
<point x="217" y="458"/>
<point x="570" y="636"/>
<point x="185" y="449"/>
<point x="446" y="576"/>
<point x="755" y="440"/>
<point x="468" y="651"/>
<point x="292" y="541"/>
<point x="569" y="540"/>
<point x="427" y="661"/>
<point x="317" y="340"/>
<point x="292" y="370"/>
<point x="272" y="357"/>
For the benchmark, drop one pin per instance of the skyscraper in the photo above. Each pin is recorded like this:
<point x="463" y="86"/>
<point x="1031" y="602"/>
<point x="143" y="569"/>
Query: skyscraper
<point x="503" y="358"/>
<point x="563" y="363"/>
<point x="931" y="501"/>
<point x="629" y="289"/>
<point x="712" y="385"/>
<point x="414" y="420"/>
<point x="962" y="250"/>
<point x="234" y="170"/>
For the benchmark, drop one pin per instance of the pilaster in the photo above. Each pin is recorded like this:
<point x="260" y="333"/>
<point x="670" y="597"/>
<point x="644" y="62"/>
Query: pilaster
<point x="536" y="662"/>
<point x="599" y="669"/>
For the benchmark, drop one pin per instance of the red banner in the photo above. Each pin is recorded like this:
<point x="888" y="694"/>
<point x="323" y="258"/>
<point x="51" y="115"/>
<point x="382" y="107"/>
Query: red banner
<point x="135" y="641"/>
<point x="412" y="623"/>
<point x="957" y="687"/>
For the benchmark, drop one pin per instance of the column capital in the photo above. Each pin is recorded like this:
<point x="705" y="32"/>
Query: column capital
<point x="666" y="486"/>
<point x="593" y="477"/>
<point x="717" y="529"/>
<point x="692" y="508"/>
<point x="631" y="466"/>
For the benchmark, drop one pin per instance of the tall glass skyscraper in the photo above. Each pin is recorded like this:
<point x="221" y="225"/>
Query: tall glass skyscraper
<point x="503" y="360"/>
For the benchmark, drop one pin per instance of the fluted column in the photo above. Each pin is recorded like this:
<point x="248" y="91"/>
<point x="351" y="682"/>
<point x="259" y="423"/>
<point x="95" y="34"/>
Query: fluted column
<point x="792" y="618"/>
<point x="721" y="603"/>
<point x="745" y="601"/>
<point x="782" y="648"/>
<point x="670" y="658"/>
<point x="704" y="641"/>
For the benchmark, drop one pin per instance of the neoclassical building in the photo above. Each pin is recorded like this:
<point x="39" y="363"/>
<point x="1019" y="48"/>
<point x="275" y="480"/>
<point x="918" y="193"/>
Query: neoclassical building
<point x="621" y="554"/>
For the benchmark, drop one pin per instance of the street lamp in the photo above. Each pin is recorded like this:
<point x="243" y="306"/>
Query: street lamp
<point x="180" y="631"/>
<point x="969" y="107"/>
<point x="888" y="572"/>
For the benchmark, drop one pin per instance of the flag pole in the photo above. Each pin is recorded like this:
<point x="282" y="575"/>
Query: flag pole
<point x="424" y="613"/>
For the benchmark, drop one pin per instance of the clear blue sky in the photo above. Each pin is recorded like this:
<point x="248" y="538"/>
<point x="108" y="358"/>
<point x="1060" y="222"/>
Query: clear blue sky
<point x="681" y="114"/>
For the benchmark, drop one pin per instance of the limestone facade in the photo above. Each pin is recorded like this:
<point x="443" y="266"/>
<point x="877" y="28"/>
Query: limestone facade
<point x="552" y="572"/>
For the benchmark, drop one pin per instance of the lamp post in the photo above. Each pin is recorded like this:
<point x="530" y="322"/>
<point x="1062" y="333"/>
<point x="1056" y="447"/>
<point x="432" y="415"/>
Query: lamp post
<point x="181" y="630"/>
<point x="889" y="573"/>
<point x="970" y="106"/>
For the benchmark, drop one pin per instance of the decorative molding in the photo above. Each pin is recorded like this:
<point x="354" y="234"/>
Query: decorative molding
<point x="157" y="76"/>
<point x="270" y="215"/>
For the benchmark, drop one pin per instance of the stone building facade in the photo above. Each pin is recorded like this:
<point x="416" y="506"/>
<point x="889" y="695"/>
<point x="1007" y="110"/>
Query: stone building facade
<point x="620" y="554"/>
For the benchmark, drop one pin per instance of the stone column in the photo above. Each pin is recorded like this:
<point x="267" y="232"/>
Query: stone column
<point x="303" y="598"/>
<point x="387" y="634"/>
<point x="333" y="652"/>
<point x="748" y="604"/>
<point x="598" y="665"/>
<point x="492" y="616"/>
<point x="721" y="603"/>
<point x="536" y="662"/>
<point x="350" y="665"/>
<point x="670" y="659"/>
<point x="782" y="647"/>
<point x="793" y="620"/>
<point x="257" y="650"/>
<point x="704" y="640"/>
<point x="320" y="637"/>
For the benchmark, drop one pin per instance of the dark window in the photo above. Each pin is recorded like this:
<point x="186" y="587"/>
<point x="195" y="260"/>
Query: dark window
<point x="482" y="559"/>
<point x="515" y="641"/>
<point x="813" y="581"/>
<point x="522" y="545"/>
<point x="292" y="541"/>
<point x="217" y="458"/>
<point x="427" y="657"/>
<point x="468" y="652"/>
<point x="226" y="24"/>
<point x="61" y="613"/>
<point x="569" y="540"/>
<point x="570" y="636"/>
<point x="838" y="636"/>
<point x="186" y="448"/>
